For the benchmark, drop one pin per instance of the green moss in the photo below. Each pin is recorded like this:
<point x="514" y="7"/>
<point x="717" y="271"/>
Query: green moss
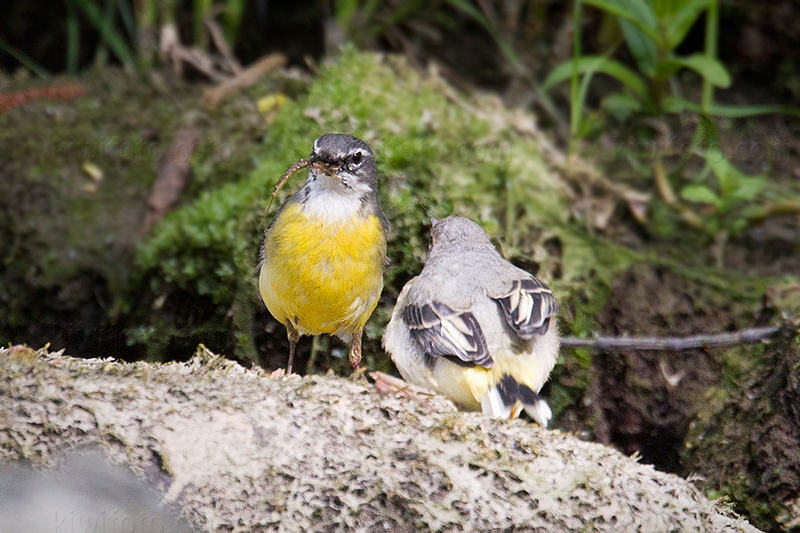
<point x="67" y="238"/>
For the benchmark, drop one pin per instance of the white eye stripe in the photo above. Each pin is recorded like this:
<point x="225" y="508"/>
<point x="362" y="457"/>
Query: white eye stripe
<point x="358" y="151"/>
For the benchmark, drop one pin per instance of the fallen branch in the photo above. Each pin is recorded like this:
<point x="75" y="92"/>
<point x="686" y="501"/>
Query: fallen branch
<point x="733" y="338"/>
<point x="238" y="450"/>
<point x="248" y="77"/>
<point x="173" y="176"/>
<point x="62" y="93"/>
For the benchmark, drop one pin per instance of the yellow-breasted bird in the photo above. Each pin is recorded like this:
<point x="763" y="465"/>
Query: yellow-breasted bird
<point x="474" y="327"/>
<point x="324" y="251"/>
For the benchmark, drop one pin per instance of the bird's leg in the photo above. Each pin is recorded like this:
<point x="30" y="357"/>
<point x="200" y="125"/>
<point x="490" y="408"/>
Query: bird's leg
<point x="294" y="336"/>
<point x="355" y="348"/>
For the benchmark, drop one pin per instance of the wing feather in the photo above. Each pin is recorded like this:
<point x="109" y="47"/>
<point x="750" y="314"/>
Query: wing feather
<point x="443" y="332"/>
<point x="527" y="307"/>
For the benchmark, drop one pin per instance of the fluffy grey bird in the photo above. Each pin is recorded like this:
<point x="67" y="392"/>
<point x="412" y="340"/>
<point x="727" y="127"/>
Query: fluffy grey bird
<point x="474" y="327"/>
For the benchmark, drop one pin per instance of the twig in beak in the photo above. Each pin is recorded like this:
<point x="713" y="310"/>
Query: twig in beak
<point x="297" y="165"/>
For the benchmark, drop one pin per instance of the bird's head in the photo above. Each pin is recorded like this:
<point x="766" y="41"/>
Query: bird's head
<point x="343" y="164"/>
<point x="456" y="231"/>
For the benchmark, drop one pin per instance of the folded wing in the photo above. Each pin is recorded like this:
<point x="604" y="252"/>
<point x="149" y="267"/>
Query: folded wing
<point x="527" y="307"/>
<point x="443" y="332"/>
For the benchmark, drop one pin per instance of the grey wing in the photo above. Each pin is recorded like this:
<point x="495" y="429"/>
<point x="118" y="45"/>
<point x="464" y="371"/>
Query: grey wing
<point x="443" y="332"/>
<point x="527" y="307"/>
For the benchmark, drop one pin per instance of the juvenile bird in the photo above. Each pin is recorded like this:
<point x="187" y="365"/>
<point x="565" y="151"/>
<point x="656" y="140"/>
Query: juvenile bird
<point x="474" y="327"/>
<point x="323" y="254"/>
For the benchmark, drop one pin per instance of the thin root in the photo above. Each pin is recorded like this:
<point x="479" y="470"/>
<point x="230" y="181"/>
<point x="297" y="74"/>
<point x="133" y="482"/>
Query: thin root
<point x="297" y="165"/>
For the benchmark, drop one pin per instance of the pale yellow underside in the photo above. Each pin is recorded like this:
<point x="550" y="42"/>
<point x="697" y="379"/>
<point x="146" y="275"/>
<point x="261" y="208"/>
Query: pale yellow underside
<point x="323" y="276"/>
<point x="468" y="385"/>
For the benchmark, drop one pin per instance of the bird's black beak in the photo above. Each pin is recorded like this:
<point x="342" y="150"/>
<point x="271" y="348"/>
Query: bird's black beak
<point x="323" y="164"/>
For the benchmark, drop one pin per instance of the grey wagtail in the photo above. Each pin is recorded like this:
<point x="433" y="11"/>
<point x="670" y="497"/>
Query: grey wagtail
<point x="474" y="327"/>
<point x="324" y="251"/>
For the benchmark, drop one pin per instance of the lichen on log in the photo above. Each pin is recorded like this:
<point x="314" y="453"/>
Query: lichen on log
<point x="237" y="449"/>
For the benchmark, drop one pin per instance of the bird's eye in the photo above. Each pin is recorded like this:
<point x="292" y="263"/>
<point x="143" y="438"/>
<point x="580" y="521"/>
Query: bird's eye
<point x="356" y="158"/>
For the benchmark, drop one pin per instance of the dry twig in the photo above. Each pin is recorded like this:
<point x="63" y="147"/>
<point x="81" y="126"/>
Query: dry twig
<point x="733" y="338"/>
<point x="248" y="77"/>
<point x="173" y="176"/>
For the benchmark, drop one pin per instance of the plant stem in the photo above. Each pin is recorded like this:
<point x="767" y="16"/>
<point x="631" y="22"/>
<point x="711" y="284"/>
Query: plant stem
<point x="785" y="207"/>
<point x="29" y="63"/>
<point x="202" y="9"/>
<point x="712" y="31"/>
<point x="575" y="111"/>
<point x="146" y="39"/>
<point x="73" y="38"/>
<point x="101" y="56"/>
<point x="667" y="194"/>
<point x="662" y="182"/>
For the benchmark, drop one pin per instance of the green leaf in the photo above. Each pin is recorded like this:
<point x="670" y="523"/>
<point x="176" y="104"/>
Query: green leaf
<point x="683" y="20"/>
<point x="621" y="105"/>
<point x="467" y="8"/>
<point x="749" y="187"/>
<point x="607" y="66"/>
<point x="700" y="194"/>
<point x="727" y="175"/>
<point x="737" y="226"/>
<point x="637" y="12"/>
<point x="673" y="104"/>
<point x="710" y="69"/>
<point x="668" y="68"/>
<point x="706" y="132"/>
<point x="735" y="111"/>
<point x="642" y="47"/>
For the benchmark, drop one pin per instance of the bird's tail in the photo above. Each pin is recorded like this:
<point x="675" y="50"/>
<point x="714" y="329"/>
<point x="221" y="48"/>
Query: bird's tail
<point x="507" y="398"/>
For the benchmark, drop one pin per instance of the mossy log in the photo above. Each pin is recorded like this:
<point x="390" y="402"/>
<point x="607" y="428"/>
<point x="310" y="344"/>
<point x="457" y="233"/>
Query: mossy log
<point x="238" y="449"/>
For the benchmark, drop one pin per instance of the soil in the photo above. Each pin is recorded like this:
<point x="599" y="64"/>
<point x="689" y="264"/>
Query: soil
<point x="645" y="400"/>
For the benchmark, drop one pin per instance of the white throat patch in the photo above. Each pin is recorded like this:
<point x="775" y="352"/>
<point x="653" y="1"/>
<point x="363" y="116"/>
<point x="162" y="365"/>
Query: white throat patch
<point x="331" y="206"/>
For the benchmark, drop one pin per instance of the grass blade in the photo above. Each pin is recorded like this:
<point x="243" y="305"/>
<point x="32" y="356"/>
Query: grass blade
<point x="27" y="62"/>
<point x="683" y="20"/>
<point x="607" y="66"/>
<point x="712" y="31"/>
<point x="637" y="19"/>
<point x="128" y="20"/>
<point x="73" y="38"/>
<point x="108" y="33"/>
<point x="468" y="9"/>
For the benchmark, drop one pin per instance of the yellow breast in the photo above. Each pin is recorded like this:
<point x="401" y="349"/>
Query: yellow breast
<point x="323" y="276"/>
